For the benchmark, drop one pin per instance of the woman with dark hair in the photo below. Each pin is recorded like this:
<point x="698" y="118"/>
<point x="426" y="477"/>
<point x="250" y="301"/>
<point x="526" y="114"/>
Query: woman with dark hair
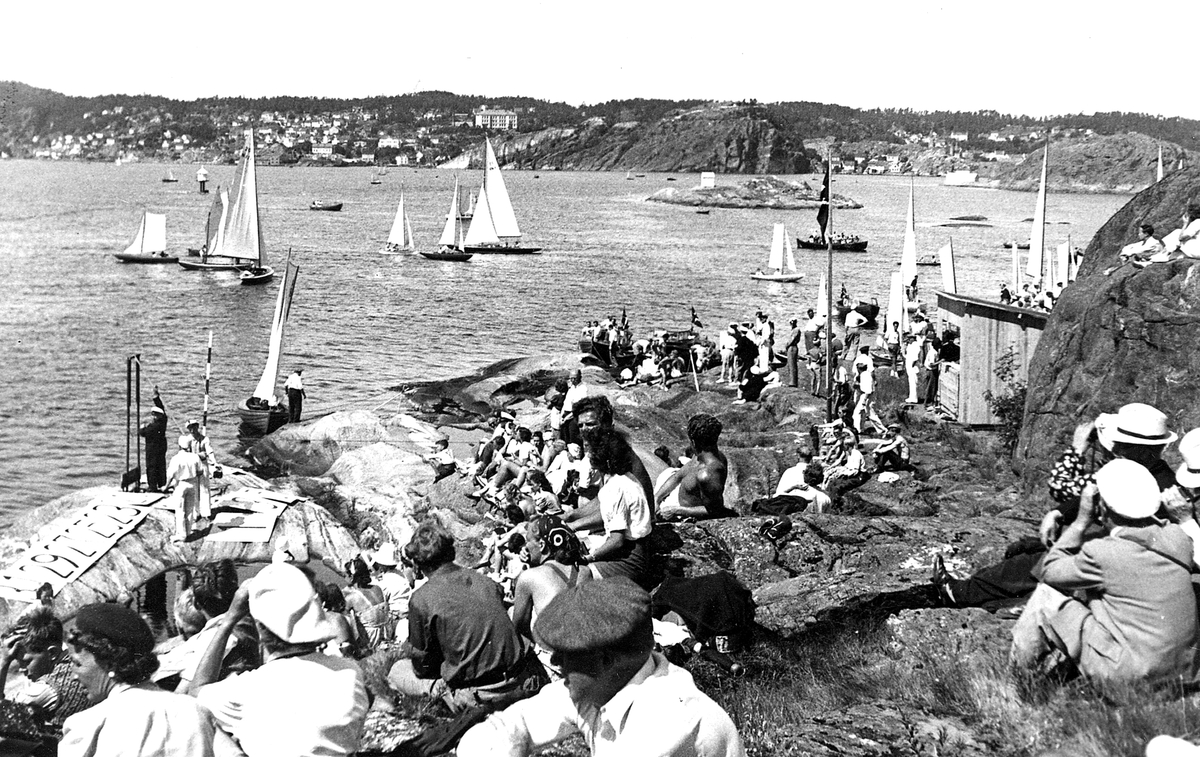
<point x="112" y="655"/>
<point x="555" y="557"/>
<point x="212" y="589"/>
<point x="348" y="642"/>
<point x="35" y="642"/>
<point x="368" y="604"/>
<point x="624" y="509"/>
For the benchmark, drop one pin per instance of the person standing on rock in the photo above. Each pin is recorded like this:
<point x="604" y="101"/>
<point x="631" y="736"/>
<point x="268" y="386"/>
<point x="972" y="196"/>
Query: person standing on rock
<point x="575" y="392"/>
<point x="912" y="366"/>
<point x="184" y="474"/>
<point x="155" y="434"/>
<point x="209" y="469"/>
<point x="793" y="353"/>
<point x="295" y="394"/>
<point x="697" y="490"/>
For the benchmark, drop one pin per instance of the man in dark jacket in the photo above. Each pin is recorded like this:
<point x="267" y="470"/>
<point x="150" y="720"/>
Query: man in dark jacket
<point x="155" y="434"/>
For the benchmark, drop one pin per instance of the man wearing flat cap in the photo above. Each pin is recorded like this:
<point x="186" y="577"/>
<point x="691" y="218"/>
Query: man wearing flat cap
<point x="301" y="701"/>
<point x="623" y="697"/>
<point x="1138" y="617"/>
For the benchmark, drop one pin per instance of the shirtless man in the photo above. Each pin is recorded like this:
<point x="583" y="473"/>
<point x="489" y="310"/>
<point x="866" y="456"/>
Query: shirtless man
<point x="593" y="414"/>
<point x="697" y="490"/>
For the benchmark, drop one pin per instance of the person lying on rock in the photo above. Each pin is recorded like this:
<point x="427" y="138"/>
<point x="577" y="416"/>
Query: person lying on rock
<point x="617" y="692"/>
<point x="1136" y="432"/>
<point x="1137" y="618"/>
<point x="697" y="490"/>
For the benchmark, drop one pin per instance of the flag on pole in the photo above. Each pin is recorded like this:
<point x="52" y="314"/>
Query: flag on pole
<point x="696" y="320"/>
<point x="823" y="212"/>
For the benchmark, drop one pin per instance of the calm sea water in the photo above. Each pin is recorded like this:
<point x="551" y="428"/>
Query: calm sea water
<point x="362" y="322"/>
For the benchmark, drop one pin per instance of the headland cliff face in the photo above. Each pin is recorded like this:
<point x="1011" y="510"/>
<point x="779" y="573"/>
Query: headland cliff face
<point x="720" y="138"/>
<point x="1131" y="336"/>
<point x="1114" y="163"/>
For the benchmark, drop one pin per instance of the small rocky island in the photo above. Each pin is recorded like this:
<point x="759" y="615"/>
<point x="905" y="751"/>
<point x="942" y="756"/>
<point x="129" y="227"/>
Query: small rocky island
<point x="770" y="192"/>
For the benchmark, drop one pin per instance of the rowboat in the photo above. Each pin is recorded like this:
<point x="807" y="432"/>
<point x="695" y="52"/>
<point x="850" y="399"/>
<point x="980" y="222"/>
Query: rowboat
<point x="320" y="205"/>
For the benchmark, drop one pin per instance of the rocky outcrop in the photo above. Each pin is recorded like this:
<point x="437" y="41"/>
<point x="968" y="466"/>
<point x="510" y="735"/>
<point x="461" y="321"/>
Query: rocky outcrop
<point x="1116" y="163"/>
<point x="721" y="138"/>
<point x="771" y="192"/>
<point x="1127" y="337"/>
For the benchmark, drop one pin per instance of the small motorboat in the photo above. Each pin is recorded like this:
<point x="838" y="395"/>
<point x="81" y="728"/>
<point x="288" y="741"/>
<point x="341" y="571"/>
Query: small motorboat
<point x="448" y="255"/>
<point x="376" y="180"/>
<point x="851" y="244"/>
<point x="703" y="211"/>
<point x="257" y="275"/>
<point x="330" y="206"/>
<point x="928" y="260"/>
<point x="1020" y="245"/>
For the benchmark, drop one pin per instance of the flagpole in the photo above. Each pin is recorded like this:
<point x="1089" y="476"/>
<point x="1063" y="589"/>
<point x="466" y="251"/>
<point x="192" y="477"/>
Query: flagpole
<point x="207" y="379"/>
<point x="829" y="289"/>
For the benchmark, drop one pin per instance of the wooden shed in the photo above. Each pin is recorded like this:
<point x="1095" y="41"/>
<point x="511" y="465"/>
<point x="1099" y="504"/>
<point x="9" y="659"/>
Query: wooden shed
<point x="987" y="331"/>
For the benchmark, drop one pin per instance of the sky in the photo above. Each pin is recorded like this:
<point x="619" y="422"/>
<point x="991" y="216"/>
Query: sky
<point x="1035" y="57"/>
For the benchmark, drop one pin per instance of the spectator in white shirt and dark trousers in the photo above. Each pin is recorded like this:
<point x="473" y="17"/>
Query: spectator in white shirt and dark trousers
<point x="619" y="694"/>
<point x="295" y="394"/>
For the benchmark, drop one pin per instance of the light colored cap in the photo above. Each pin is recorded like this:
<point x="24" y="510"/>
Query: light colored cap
<point x="1188" y="474"/>
<point x="1135" y="423"/>
<point x="283" y="600"/>
<point x="386" y="555"/>
<point x="1128" y="488"/>
<point x="185" y="441"/>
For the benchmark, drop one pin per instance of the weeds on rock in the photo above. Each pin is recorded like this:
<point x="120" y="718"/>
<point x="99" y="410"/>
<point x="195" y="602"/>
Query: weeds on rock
<point x="1009" y="405"/>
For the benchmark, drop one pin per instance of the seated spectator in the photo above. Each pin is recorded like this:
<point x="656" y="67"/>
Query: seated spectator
<point x="442" y="460"/>
<point x="462" y="646"/>
<point x="350" y="637"/>
<point x="537" y="499"/>
<point x="627" y="517"/>
<point x="849" y="470"/>
<point x="518" y="458"/>
<point x="368" y="604"/>
<point x="1184" y="241"/>
<point x="213" y="587"/>
<point x="621" y="695"/>
<point x="697" y="490"/>
<point x="555" y="565"/>
<point x="750" y="388"/>
<point x="799" y="489"/>
<point x="397" y="586"/>
<point x="35" y="643"/>
<point x="1144" y="249"/>
<point x="112" y="657"/>
<point x="1137" y="618"/>
<point x="300" y="701"/>
<point x="569" y="461"/>
<point x="892" y="453"/>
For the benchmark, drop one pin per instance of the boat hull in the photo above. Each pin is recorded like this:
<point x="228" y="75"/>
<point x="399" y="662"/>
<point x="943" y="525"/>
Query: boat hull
<point x="130" y="257"/>
<point x="859" y="246"/>
<point x="256" y="276"/>
<point x="484" y="249"/>
<point x="1020" y="245"/>
<point x="784" y="277"/>
<point x="211" y="265"/>
<point x="332" y="207"/>
<point x="262" y="421"/>
<point x="454" y="257"/>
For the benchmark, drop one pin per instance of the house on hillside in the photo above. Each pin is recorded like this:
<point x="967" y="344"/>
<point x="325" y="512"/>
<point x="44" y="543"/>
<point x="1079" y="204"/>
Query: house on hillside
<point x="495" y="119"/>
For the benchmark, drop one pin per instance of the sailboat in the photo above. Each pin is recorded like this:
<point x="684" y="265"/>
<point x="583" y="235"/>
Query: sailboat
<point x="781" y="253"/>
<point x="170" y="177"/>
<point x="400" y="238"/>
<point x="908" y="256"/>
<point x="450" y="244"/>
<point x="469" y="213"/>
<point x="494" y="227"/>
<point x="213" y="224"/>
<point x="149" y="244"/>
<point x="1037" y="235"/>
<point x="260" y="412"/>
<point x="236" y="244"/>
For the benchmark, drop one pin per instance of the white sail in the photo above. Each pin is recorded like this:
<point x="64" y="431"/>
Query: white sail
<point x="155" y="238"/>
<point x="823" y="300"/>
<point x="1016" y="268"/>
<point x="895" y="309"/>
<point x="396" y="235"/>
<point x="135" y="246"/>
<point x="789" y="255"/>
<point x="504" y="220"/>
<point x="908" y="258"/>
<point x="449" y="231"/>
<point x="243" y="234"/>
<point x="775" y="261"/>
<point x="946" y="257"/>
<point x="481" y="231"/>
<point x="1037" y="236"/>
<point x="283" y="306"/>
<point x="412" y="243"/>
<point x="216" y="222"/>
<point x="1160" y="166"/>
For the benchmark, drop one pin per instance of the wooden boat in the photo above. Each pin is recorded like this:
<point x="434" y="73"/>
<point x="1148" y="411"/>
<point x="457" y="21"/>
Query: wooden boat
<point x="1020" y="245"/>
<point x="149" y="245"/>
<point x="260" y="413"/>
<point x="964" y="225"/>
<point x="242" y="235"/>
<point x="781" y="254"/>
<point x="928" y="260"/>
<point x="853" y="244"/>
<point x="493" y="229"/>
<point x="968" y="218"/>
<point x="376" y="180"/>
<point x="170" y="177"/>
<point x="400" y="238"/>
<point x="231" y="232"/>
<point x="703" y="211"/>
<point x="452" y="256"/>
<point x="320" y="205"/>
<point x="629" y="176"/>
<point x="869" y="310"/>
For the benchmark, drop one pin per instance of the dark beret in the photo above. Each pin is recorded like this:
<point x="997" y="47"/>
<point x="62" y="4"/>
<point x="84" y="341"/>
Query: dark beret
<point x="117" y="623"/>
<point x="594" y="615"/>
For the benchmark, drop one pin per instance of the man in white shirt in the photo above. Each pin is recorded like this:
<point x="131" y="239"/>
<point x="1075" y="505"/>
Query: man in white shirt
<point x="912" y="366"/>
<point x="1144" y="249"/>
<point x="619" y="694"/>
<point x="295" y="394"/>
<point x="794" y="482"/>
<point x="575" y="392"/>
<point x="183" y="473"/>
<point x="864" y="409"/>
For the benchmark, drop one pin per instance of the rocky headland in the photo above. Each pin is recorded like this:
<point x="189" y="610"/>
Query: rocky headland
<point x="1117" y="163"/>
<point x="770" y="192"/>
